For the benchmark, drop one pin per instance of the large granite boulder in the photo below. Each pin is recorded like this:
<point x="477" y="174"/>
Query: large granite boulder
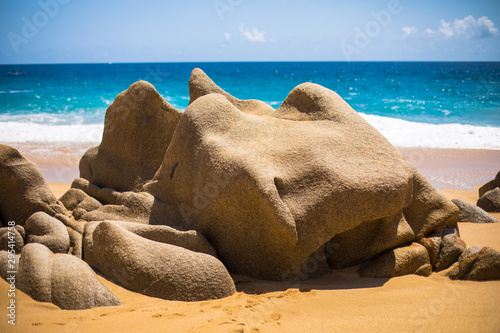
<point x="158" y="269"/>
<point x="137" y="130"/>
<point x="412" y="259"/>
<point x="268" y="188"/>
<point x="470" y="213"/>
<point x="49" y="231"/>
<point x="490" y="201"/>
<point x="24" y="190"/>
<point x="61" y="279"/>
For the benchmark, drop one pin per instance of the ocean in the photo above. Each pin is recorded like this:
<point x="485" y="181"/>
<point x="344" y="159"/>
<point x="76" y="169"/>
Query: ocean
<point x="414" y="104"/>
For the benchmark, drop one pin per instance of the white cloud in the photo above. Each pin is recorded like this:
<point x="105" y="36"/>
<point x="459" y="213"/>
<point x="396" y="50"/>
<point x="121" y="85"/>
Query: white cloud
<point x="255" y="36"/>
<point x="409" y="32"/>
<point x="466" y="28"/>
<point x="227" y="35"/>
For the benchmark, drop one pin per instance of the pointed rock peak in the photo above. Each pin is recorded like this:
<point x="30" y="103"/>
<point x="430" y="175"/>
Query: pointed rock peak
<point x="200" y="85"/>
<point x="309" y="101"/>
<point x="143" y="91"/>
<point x="138" y="127"/>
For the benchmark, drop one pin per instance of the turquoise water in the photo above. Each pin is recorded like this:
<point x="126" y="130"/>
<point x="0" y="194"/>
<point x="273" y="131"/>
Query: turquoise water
<point x="464" y="94"/>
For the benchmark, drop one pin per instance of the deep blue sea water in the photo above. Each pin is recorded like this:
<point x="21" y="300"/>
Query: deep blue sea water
<point x="436" y="104"/>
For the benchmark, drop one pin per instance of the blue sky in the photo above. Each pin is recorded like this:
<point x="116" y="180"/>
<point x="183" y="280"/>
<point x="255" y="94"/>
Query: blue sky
<point x="78" y="31"/>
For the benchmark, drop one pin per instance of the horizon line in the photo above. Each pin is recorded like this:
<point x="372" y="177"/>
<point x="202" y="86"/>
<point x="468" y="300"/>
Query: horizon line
<point x="253" y="61"/>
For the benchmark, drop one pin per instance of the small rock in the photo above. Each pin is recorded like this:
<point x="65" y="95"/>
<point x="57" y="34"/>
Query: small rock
<point x="49" y="231"/>
<point x="470" y="213"/>
<point x="7" y="235"/>
<point x="89" y="204"/>
<point x="118" y="206"/>
<point x="490" y="201"/>
<point x="190" y="240"/>
<point x="477" y="264"/>
<point x="444" y="247"/>
<point x="72" y="198"/>
<point x="451" y="249"/>
<point x="413" y="259"/>
<point x="156" y="269"/>
<point x="78" y="213"/>
<point x="433" y="243"/>
<point x="75" y="198"/>
<point x="490" y="185"/>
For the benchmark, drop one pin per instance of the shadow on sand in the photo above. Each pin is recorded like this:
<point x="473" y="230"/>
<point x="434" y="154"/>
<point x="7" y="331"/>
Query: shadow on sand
<point x="341" y="279"/>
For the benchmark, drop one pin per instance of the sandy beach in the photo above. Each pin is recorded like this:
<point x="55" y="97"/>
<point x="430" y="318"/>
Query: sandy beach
<point x="340" y="301"/>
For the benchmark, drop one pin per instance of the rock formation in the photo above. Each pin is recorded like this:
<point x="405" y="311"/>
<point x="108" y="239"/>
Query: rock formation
<point x="49" y="231"/>
<point x="23" y="191"/>
<point x="169" y="203"/>
<point x="490" y="201"/>
<point x="120" y="206"/>
<point x="444" y="247"/>
<point x="158" y="269"/>
<point x="476" y="263"/>
<point x="491" y="185"/>
<point x="200" y="85"/>
<point x="470" y="213"/>
<point x="63" y="280"/>
<point x="269" y="188"/>
<point x="9" y="236"/>
<point x="413" y="259"/>
<point x="489" y="195"/>
<point x="189" y="240"/>
<point x="137" y="130"/>
<point x="367" y="240"/>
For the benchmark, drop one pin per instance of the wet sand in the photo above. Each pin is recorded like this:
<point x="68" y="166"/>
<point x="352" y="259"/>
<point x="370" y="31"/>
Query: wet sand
<point x="445" y="168"/>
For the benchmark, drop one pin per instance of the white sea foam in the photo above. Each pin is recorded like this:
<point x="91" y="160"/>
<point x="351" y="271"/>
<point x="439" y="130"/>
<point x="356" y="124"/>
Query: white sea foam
<point x="30" y="132"/>
<point x="399" y="132"/>
<point x="404" y="133"/>
<point x="15" y="91"/>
